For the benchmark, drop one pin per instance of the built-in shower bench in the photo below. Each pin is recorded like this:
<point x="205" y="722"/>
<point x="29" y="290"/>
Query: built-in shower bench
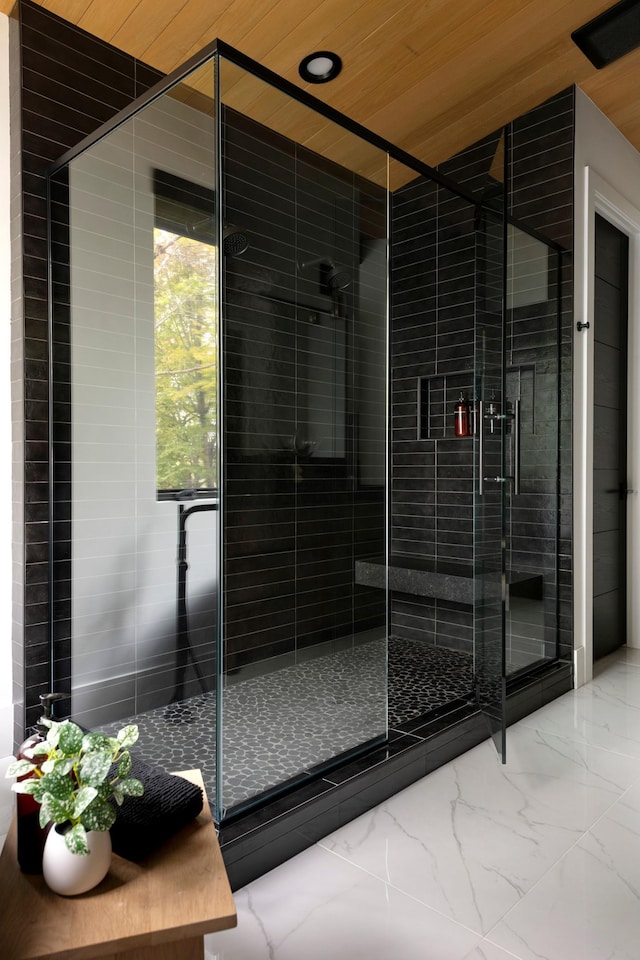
<point x="442" y="580"/>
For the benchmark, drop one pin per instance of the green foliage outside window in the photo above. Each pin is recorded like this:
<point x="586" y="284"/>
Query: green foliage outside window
<point x="186" y="362"/>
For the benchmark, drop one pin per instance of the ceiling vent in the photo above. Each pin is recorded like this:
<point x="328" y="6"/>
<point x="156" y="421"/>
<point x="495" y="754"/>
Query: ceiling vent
<point x="610" y="36"/>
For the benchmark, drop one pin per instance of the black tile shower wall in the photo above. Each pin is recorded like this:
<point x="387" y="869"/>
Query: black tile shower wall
<point x="433" y="306"/>
<point x="541" y="194"/>
<point x="70" y="83"/>
<point x="296" y="516"/>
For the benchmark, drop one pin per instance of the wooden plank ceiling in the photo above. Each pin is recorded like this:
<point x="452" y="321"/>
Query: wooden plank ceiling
<point x="432" y="76"/>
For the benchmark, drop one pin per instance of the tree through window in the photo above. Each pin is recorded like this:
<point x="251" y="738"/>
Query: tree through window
<point x="186" y="362"/>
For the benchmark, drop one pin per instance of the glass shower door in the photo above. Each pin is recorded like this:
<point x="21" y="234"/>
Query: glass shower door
<point x="491" y="415"/>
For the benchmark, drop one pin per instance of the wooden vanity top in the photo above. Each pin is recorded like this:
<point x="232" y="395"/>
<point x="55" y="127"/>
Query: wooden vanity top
<point x="179" y="893"/>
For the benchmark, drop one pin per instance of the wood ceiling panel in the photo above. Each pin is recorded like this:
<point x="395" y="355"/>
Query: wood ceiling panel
<point x="205" y="18"/>
<point x="146" y="21"/>
<point x="448" y="77"/>
<point x="429" y="75"/>
<point x="100" y="18"/>
<point x="443" y="139"/>
<point x="415" y="48"/>
<point x="74" y="9"/>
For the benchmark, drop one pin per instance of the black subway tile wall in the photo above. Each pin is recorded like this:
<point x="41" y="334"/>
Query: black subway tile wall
<point x="295" y="524"/>
<point x="69" y="83"/>
<point x="438" y="242"/>
<point x="541" y="195"/>
<point x="297" y="514"/>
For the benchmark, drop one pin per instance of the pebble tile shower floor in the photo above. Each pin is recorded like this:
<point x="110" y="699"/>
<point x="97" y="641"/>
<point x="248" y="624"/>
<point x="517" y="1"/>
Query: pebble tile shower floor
<point x="280" y="724"/>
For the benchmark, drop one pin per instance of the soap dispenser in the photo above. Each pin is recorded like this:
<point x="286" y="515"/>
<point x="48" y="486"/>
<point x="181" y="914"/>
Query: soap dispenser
<point x="461" y="421"/>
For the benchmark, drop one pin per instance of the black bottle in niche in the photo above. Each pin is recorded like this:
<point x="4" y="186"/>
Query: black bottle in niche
<point x="31" y="836"/>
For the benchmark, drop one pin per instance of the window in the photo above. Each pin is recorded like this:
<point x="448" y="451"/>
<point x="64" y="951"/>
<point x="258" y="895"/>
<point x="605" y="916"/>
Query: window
<point x="186" y="339"/>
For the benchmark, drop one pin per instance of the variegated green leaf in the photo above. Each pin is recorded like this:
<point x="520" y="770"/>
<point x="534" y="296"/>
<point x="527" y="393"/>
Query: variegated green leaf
<point x="70" y="741"/>
<point x="59" y="786"/>
<point x="54" y="733"/>
<point x="84" y="797"/>
<point x="131" y="787"/>
<point x="117" y="794"/>
<point x="104" y="790"/>
<point x="65" y="766"/>
<point x="55" y="809"/>
<point x="94" y="767"/>
<point x="124" y="767"/>
<point x="128" y="735"/>
<point x="49" y="765"/>
<point x="40" y="748"/>
<point x="99" y="741"/>
<point x="33" y="787"/>
<point x="98" y="816"/>
<point x="19" y="768"/>
<point x="76" y="840"/>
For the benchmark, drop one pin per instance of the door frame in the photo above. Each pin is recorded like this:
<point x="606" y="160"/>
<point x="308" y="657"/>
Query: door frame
<point x="600" y="197"/>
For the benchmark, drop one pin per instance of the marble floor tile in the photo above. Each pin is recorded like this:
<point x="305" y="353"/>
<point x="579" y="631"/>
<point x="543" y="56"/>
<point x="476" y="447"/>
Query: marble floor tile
<point x="588" y="904"/>
<point x="489" y="951"/>
<point x="628" y="655"/>
<point x="476" y="835"/>
<point x="617" y="680"/>
<point x="318" y="906"/>
<point x="596" y="714"/>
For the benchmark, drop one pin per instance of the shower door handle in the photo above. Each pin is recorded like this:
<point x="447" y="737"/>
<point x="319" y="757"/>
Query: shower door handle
<point x="482" y="416"/>
<point x="493" y="416"/>
<point x="516" y="447"/>
<point x="481" y="447"/>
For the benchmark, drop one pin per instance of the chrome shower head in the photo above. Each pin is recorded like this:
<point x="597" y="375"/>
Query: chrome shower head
<point x="234" y="240"/>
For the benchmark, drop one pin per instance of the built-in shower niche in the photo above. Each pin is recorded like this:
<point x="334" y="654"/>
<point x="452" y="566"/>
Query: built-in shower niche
<point x="436" y="400"/>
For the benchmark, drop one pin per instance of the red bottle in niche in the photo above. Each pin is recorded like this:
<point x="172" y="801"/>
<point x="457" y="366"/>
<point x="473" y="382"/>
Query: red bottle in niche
<point x="30" y="836"/>
<point x="461" y="419"/>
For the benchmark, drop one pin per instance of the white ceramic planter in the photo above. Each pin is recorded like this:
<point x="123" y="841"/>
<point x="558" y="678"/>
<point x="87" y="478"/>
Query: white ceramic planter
<point x="69" y="873"/>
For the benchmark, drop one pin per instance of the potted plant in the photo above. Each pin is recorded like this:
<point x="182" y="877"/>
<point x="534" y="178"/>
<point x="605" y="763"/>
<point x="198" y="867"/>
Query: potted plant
<point x="75" y="776"/>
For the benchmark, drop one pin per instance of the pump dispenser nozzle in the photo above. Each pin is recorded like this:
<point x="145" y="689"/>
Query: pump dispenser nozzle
<point x="47" y="700"/>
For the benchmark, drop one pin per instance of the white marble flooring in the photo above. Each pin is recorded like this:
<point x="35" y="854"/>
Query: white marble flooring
<point x="535" y="860"/>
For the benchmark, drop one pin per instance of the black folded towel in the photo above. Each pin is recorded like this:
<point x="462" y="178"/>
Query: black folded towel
<point x="144" y="823"/>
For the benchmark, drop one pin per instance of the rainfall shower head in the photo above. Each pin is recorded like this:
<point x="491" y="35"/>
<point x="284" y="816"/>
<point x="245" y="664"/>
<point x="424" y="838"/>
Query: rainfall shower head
<point x="234" y="240"/>
<point x="338" y="278"/>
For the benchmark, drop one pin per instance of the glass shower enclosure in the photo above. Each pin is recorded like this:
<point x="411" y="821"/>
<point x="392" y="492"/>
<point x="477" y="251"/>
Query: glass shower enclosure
<point x="250" y="558"/>
<point x="219" y="430"/>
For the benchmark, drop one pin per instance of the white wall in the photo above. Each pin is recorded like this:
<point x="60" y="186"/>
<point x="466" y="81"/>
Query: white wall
<point x="607" y="181"/>
<point x="123" y="539"/>
<point x="6" y="713"/>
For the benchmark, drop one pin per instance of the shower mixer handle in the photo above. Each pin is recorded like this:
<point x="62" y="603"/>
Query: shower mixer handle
<point x="491" y="414"/>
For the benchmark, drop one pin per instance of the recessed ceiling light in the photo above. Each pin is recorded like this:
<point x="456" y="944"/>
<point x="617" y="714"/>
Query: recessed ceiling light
<point x="320" y="67"/>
